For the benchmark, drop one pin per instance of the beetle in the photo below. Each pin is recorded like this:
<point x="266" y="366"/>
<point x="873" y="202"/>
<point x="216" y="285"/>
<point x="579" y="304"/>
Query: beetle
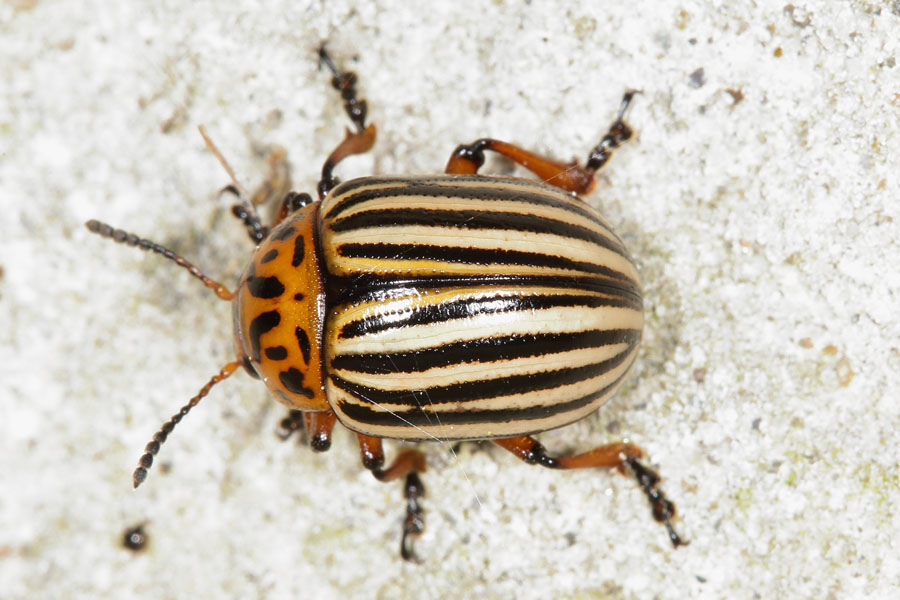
<point x="443" y="307"/>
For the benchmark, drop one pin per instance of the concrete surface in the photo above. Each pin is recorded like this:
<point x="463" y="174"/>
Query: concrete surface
<point x="760" y="199"/>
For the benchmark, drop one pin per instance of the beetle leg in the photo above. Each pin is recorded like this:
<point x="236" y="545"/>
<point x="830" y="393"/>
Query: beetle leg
<point x="319" y="426"/>
<point x="572" y="177"/>
<point x="408" y="463"/>
<point x="621" y="456"/>
<point x="247" y="214"/>
<point x="294" y="421"/>
<point x="292" y="202"/>
<point x="354" y="142"/>
<point x="314" y="428"/>
<point x="414" y="525"/>
<point x="277" y="184"/>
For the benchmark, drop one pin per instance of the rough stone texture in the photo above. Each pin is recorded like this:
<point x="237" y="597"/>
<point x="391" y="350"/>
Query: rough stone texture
<point x="760" y="200"/>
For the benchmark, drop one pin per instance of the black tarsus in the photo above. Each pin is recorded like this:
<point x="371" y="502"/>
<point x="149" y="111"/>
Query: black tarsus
<point x="345" y="83"/>
<point x="663" y="508"/>
<point x="414" y="524"/>
<point x="619" y="133"/>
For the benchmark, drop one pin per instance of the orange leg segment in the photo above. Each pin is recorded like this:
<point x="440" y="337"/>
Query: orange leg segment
<point x="467" y="159"/>
<point x="278" y="183"/>
<point x="408" y="463"/>
<point x="317" y="425"/>
<point x="622" y="457"/>
<point x="356" y="142"/>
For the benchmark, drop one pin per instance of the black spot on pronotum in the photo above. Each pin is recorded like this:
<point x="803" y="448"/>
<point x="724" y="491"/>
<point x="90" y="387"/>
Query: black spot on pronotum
<point x="265" y="287"/>
<point x="258" y="326"/>
<point x="269" y="256"/>
<point x="303" y="342"/>
<point x="276" y="353"/>
<point x="284" y="234"/>
<point x="298" y="251"/>
<point x="298" y="296"/>
<point x="292" y="380"/>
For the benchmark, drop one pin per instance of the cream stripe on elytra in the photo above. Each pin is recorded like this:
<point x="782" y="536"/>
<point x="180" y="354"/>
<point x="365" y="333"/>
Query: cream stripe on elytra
<point x="472" y="307"/>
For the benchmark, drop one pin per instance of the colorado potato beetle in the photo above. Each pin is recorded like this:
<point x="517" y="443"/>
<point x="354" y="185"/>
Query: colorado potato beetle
<point x="443" y="307"/>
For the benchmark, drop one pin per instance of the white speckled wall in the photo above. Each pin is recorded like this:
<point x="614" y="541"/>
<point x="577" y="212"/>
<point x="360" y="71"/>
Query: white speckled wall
<point x="760" y="200"/>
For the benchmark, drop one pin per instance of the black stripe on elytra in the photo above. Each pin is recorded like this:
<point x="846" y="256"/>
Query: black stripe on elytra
<point x="469" y="256"/>
<point x="459" y="393"/>
<point x="276" y="353"/>
<point x="264" y="287"/>
<point x="483" y="350"/>
<point x="353" y="184"/>
<point x="268" y="256"/>
<point x="258" y="326"/>
<point x="506" y="189"/>
<point x="472" y="220"/>
<point x="368" y="287"/>
<point x="292" y="380"/>
<point x="283" y="233"/>
<point x="303" y="342"/>
<point x="469" y="307"/>
<point x="299" y="250"/>
<point x="423" y="417"/>
<point x="446" y="181"/>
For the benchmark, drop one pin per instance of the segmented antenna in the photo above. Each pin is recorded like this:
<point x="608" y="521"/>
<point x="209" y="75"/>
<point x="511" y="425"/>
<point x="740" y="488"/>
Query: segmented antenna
<point x="123" y="237"/>
<point x="211" y="146"/>
<point x="146" y="461"/>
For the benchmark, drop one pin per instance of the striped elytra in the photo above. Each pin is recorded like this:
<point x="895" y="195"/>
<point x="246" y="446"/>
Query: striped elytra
<point x="442" y="307"/>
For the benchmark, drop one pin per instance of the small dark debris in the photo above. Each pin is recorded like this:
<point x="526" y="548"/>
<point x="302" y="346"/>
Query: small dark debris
<point x="700" y="578"/>
<point x="135" y="538"/>
<point x="292" y="423"/>
<point x="698" y="78"/>
<point x="700" y="375"/>
<point x="737" y="96"/>
<point x="755" y="424"/>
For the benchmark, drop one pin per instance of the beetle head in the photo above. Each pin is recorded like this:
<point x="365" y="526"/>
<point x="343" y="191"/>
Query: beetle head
<point x="279" y="311"/>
